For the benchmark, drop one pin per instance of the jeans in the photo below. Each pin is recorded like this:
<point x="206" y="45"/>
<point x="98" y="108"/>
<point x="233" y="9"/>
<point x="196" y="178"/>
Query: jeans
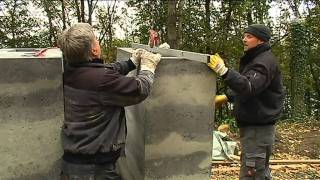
<point x="72" y="171"/>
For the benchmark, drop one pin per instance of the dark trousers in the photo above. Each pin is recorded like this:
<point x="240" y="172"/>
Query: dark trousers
<point x="72" y="171"/>
<point x="256" y="144"/>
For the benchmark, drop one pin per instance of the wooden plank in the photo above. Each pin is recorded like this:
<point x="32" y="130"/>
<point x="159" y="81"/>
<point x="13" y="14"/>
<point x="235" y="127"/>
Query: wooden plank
<point x="225" y="162"/>
<point x="204" y="58"/>
<point x="296" y="161"/>
<point x="272" y="167"/>
<point x="277" y="161"/>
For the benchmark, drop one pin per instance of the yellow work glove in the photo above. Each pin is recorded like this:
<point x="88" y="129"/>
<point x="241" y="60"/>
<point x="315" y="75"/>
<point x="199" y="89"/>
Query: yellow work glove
<point x="149" y="61"/>
<point x="220" y="99"/>
<point x="216" y="63"/>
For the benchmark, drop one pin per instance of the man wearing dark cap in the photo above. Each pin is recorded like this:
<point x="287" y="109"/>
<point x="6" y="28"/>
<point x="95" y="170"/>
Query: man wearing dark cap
<point x="257" y="93"/>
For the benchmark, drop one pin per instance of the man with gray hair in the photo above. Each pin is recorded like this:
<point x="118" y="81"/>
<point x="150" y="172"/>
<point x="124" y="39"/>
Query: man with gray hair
<point x="95" y="94"/>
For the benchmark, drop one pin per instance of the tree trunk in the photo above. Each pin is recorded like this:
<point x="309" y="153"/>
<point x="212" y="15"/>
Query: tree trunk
<point x="51" y="31"/>
<point x="151" y="9"/>
<point x="108" y="29"/>
<point x="13" y="24"/>
<point x="77" y="10"/>
<point x="228" y="16"/>
<point x="316" y="80"/>
<point x="294" y="7"/>
<point x="227" y="21"/>
<point x="90" y="10"/>
<point x="63" y="15"/>
<point x="259" y="6"/>
<point x="179" y="28"/>
<point x="298" y="69"/>
<point x="172" y="21"/>
<point x="249" y="15"/>
<point x="208" y="28"/>
<point x="82" y="10"/>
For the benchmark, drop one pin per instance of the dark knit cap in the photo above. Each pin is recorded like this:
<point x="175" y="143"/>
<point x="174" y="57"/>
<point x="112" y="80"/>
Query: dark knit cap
<point x="260" y="31"/>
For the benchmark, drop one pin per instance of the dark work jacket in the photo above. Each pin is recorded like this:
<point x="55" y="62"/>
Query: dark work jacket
<point x="95" y="94"/>
<point x="256" y="90"/>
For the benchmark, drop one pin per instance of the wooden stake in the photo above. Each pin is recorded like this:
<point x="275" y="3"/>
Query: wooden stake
<point x="274" y="161"/>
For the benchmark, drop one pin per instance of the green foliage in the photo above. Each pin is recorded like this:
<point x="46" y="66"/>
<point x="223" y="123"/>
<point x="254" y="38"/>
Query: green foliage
<point x="312" y="26"/>
<point x="150" y="15"/>
<point x="110" y="54"/>
<point x="17" y="27"/>
<point x="107" y="16"/>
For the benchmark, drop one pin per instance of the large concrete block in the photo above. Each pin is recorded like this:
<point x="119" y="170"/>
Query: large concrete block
<point x="31" y="114"/>
<point x="132" y="166"/>
<point x="170" y="133"/>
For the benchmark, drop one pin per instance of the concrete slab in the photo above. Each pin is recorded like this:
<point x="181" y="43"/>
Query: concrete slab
<point x="31" y="113"/>
<point x="170" y="133"/>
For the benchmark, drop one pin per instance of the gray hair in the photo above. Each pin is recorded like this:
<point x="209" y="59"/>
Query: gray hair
<point x="76" y="43"/>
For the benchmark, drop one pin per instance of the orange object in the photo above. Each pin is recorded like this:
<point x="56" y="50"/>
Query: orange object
<point x="41" y="52"/>
<point x="154" y="38"/>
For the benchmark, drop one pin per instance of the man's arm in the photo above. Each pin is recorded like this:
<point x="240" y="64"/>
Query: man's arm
<point x="123" y="67"/>
<point x="249" y="84"/>
<point x="230" y="95"/>
<point x="121" y="90"/>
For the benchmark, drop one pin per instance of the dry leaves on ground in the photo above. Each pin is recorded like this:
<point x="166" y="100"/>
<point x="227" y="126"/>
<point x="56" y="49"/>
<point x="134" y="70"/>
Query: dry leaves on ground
<point x="294" y="141"/>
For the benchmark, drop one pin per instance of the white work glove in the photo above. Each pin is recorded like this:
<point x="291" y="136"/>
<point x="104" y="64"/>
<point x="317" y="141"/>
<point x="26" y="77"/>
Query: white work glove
<point x="136" y="56"/>
<point x="164" y="46"/>
<point x="149" y="61"/>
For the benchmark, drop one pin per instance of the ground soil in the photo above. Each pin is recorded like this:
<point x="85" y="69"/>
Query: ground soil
<point x="294" y="141"/>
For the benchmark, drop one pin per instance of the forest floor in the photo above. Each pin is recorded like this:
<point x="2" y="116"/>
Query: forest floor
<point x="294" y="141"/>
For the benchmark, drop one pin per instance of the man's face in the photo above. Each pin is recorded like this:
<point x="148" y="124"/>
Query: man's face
<point x="250" y="41"/>
<point x="96" y="49"/>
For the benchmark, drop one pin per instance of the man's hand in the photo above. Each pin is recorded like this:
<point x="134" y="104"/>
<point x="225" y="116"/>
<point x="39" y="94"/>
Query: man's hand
<point x="136" y="56"/>
<point x="220" y="99"/>
<point x="149" y="61"/>
<point x="217" y="64"/>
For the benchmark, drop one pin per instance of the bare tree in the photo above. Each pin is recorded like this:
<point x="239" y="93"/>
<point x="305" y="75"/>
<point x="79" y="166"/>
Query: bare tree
<point x="107" y="17"/>
<point x="77" y="10"/>
<point x="91" y="7"/>
<point x="82" y="11"/>
<point x="46" y="5"/>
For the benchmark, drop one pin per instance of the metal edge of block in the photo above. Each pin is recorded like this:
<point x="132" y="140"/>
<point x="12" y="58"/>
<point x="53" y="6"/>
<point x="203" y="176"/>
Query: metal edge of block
<point x="31" y="53"/>
<point x="204" y="58"/>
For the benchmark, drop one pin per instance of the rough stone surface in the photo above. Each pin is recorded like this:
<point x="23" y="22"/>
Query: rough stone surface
<point x="175" y="129"/>
<point x="169" y="134"/>
<point x="31" y="113"/>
